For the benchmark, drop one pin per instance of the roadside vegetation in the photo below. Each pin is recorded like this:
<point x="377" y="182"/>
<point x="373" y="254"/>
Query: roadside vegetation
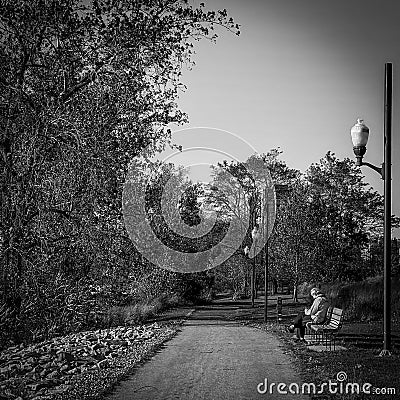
<point x="363" y="300"/>
<point x="360" y="365"/>
<point x="85" y="88"/>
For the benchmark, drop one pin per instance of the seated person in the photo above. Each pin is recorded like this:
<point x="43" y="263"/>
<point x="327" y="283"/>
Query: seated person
<point x="315" y="314"/>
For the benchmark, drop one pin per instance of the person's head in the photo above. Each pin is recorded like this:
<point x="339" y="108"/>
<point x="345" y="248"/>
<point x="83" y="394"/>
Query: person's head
<point x="314" y="292"/>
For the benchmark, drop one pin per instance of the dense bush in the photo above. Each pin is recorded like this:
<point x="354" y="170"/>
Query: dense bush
<point x="86" y="87"/>
<point x="363" y="301"/>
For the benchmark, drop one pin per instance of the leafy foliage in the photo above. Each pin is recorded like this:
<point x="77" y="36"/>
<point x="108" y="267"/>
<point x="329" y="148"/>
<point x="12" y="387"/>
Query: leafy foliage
<point x="84" y="88"/>
<point x="347" y="213"/>
<point x="326" y="224"/>
<point x="239" y="197"/>
<point x="189" y="205"/>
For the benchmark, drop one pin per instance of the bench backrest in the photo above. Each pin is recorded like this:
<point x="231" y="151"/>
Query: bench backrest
<point x="335" y="318"/>
<point x="328" y="314"/>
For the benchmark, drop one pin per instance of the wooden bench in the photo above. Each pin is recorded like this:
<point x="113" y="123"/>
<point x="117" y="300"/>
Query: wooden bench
<point x="329" y="328"/>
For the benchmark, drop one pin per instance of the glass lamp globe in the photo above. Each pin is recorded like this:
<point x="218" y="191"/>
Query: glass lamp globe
<point x="359" y="134"/>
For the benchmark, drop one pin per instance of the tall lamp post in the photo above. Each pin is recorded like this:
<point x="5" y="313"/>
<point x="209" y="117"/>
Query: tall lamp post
<point x="359" y="136"/>
<point x="266" y="282"/>
<point x="255" y="234"/>
<point x="246" y="252"/>
<point x="265" y="224"/>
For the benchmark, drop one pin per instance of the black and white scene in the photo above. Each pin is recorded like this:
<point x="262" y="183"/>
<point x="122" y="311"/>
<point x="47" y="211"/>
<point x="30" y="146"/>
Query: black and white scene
<point x="200" y="199"/>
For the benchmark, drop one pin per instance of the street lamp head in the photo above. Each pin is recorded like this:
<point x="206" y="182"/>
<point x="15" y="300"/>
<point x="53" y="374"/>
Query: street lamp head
<point x="359" y="137"/>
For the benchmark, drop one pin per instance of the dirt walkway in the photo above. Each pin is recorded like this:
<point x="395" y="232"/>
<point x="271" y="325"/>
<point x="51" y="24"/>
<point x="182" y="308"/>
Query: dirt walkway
<point x="212" y="359"/>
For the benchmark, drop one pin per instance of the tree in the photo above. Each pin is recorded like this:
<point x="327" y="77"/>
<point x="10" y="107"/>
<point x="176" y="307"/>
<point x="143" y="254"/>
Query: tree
<point x="325" y="223"/>
<point x="189" y="204"/>
<point x="84" y="88"/>
<point x="346" y="211"/>
<point x="292" y="241"/>
<point x="238" y="190"/>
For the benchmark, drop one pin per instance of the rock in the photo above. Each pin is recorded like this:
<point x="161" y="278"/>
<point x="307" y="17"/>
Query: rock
<point x="5" y="370"/>
<point x="89" y="360"/>
<point x="39" y="385"/>
<point x="38" y="369"/>
<point x="32" y="355"/>
<point x="65" y="356"/>
<point x="43" y="373"/>
<point x="53" y="375"/>
<point x="60" y="389"/>
<point x="99" y="356"/>
<point x="46" y="368"/>
<point x="72" y="371"/>
<point x="30" y="360"/>
<point x="96" y="346"/>
<point x="119" y="343"/>
<point x="45" y="359"/>
<point x="103" y="364"/>
<point x="65" y="367"/>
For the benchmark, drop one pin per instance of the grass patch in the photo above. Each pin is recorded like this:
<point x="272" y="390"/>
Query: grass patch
<point x="360" y="365"/>
<point x="140" y="312"/>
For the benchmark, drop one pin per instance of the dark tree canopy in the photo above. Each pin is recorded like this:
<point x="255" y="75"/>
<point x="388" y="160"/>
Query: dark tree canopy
<point x="85" y="87"/>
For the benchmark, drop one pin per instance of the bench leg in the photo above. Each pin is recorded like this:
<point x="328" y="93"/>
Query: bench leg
<point x="330" y="340"/>
<point x="326" y="339"/>
<point x="321" y="337"/>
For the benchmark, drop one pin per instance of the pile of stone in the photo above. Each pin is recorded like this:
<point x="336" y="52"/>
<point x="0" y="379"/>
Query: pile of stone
<point x="80" y="365"/>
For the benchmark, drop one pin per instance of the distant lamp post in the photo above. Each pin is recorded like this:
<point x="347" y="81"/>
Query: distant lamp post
<point x="359" y="137"/>
<point x="246" y="253"/>
<point x="252" y="276"/>
<point x="266" y="262"/>
<point x="255" y="234"/>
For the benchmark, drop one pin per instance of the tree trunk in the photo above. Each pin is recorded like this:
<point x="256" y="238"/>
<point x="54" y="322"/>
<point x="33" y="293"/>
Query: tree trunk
<point x="245" y="281"/>
<point x="295" y="294"/>
<point x="296" y="281"/>
<point x="273" y="285"/>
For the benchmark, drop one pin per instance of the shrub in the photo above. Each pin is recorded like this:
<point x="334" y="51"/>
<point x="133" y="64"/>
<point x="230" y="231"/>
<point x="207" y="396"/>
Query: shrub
<point x="363" y="301"/>
<point x="140" y="312"/>
<point x="50" y="308"/>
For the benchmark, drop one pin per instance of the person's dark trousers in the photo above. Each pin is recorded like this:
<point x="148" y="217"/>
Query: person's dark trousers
<point x="300" y="323"/>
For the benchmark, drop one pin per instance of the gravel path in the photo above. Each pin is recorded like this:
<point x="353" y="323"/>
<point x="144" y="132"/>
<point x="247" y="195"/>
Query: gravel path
<point x="211" y="359"/>
<point x="210" y="356"/>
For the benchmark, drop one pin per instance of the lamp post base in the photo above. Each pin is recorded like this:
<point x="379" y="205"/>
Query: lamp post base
<point x="385" y="353"/>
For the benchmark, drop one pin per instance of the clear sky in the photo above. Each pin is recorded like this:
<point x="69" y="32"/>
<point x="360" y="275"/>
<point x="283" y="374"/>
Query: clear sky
<point x="297" y="77"/>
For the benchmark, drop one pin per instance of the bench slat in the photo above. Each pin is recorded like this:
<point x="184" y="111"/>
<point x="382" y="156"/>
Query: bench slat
<point x="333" y="322"/>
